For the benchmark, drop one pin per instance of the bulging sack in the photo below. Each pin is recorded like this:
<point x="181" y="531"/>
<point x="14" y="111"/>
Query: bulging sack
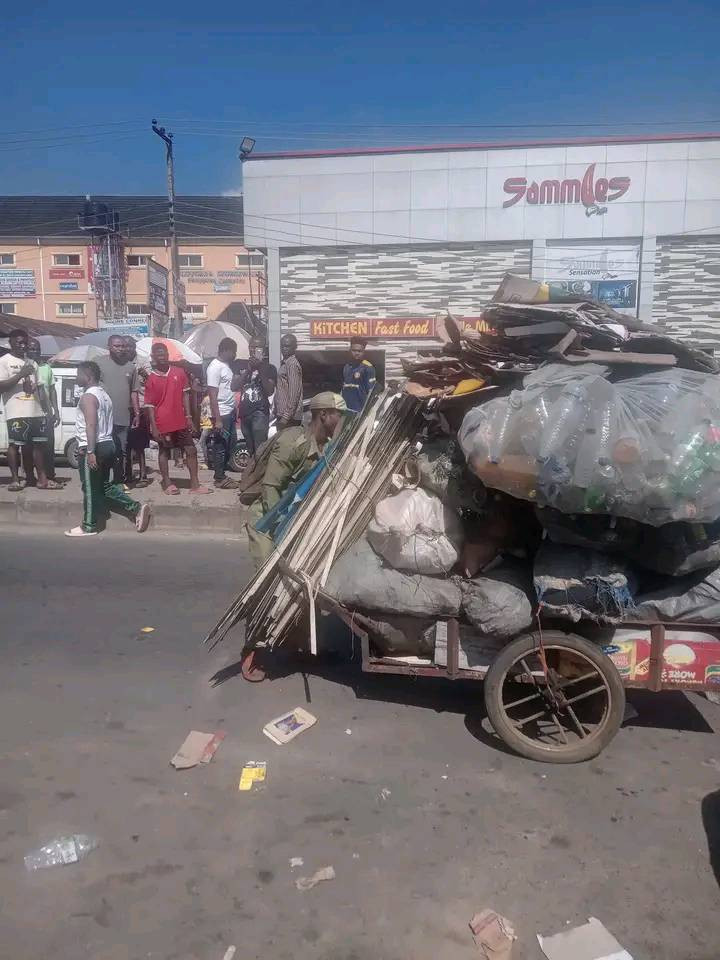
<point x="360" y="580"/>
<point x="500" y="603"/>
<point x="416" y="532"/>
<point x="647" y="447"/>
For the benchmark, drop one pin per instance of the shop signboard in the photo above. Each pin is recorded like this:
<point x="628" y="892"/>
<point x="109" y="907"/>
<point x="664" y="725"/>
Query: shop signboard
<point x="137" y="325"/>
<point x="606" y="272"/>
<point x="68" y="285"/>
<point x="592" y="191"/>
<point x="387" y="328"/>
<point x="157" y="288"/>
<point x="18" y="284"/>
<point x="66" y="273"/>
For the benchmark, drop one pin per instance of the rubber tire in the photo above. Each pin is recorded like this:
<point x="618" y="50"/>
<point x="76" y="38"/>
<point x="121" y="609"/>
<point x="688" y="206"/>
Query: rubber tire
<point x="72" y="453"/>
<point x="525" y="644"/>
<point x="239" y="457"/>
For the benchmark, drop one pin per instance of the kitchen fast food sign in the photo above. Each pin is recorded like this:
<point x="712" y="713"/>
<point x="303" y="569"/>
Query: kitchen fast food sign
<point x="591" y="192"/>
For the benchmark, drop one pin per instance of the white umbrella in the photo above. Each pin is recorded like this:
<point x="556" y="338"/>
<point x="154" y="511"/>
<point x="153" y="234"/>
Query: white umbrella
<point x="100" y="337"/>
<point x="79" y="353"/>
<point x="205" y="338"/>
<point x="177" y="350"/>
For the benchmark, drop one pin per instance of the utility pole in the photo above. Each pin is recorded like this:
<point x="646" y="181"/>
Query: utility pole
<point x="176" y="318"/>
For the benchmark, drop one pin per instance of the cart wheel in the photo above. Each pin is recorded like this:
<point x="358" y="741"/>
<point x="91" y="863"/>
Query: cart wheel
<point x="567" y="717"/>
<point x="250" y="668"/>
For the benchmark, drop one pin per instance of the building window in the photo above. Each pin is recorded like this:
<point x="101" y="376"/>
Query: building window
<point x="66" y="259"/>
<point x="136" y="260"/>
<point x="256" y="260"/>
<point x="70" y="309"/>
<point x="7" y="259"/>
<point x="7" y="307"/>
<point x="138" y="309"/>
<point x="190" y="259"/>
<point x="195" y="311"/>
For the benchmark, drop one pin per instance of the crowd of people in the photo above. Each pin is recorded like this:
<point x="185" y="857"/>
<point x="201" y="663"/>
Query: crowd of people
<point x="194" y="419"/>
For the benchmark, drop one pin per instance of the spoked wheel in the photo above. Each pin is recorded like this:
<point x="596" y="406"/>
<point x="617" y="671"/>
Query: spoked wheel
<point x="564" y="710"/>
<point x="251" y="669"/>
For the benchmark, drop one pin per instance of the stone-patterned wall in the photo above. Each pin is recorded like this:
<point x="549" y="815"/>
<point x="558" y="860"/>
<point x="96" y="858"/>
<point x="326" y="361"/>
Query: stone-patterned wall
<point x="391" y="281"/>
<point x="687" y="289"/>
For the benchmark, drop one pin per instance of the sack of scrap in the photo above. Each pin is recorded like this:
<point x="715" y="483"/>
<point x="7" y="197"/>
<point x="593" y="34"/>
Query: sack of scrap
<point x="646" y="447"/>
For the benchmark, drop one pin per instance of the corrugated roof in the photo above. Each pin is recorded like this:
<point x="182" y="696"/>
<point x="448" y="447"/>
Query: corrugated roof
<point x="141" y="218"/>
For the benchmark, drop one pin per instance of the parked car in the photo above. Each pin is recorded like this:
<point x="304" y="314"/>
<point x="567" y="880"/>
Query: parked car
<point x="66" y="444"/>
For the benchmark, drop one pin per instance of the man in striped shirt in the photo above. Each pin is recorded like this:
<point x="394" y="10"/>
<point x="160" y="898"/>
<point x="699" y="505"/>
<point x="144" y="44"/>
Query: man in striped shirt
<point x="289" y="389"/>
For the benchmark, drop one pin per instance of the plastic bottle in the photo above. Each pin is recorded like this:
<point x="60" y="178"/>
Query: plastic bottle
<point x="496" y="446"/>
<point x="61" y="850"/>
<point x="568" y="411"/>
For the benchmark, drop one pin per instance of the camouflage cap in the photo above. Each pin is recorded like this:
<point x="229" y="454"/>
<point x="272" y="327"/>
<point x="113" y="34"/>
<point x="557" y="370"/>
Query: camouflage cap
<point x="328" y="401"/>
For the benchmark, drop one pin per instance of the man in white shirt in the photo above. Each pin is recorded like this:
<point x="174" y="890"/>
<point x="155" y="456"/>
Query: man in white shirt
<point x="221" y="386"/>
<point x="26" y="410"/>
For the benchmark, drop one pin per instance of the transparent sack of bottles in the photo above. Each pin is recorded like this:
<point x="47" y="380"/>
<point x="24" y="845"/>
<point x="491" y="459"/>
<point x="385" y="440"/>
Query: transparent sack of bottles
<point x="646" y="447"/>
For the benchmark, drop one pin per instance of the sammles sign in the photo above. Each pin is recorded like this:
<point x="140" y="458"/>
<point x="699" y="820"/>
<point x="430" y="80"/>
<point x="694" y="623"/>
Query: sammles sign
<point x="588" y="191"/>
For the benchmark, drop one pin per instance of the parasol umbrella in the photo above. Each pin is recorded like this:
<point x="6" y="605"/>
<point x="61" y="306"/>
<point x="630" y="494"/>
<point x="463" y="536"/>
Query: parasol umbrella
<point x="50" y="345"/>
<point x="205" y="338"/>
<point x="177" y="351"/>
<point x="79" y="353"/>
<point x="100" y="337"/>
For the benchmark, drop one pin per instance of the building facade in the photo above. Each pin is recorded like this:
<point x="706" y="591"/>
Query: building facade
<point x="378" y="242"/>
<point x="47" y="263"/>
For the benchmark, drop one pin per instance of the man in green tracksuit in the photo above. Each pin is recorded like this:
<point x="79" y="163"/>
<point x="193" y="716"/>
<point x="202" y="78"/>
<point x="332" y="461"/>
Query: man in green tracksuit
<point x="295" y="451"/>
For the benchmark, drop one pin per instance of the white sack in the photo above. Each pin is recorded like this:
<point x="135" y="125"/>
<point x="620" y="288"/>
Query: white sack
<point x="415" y="531"/>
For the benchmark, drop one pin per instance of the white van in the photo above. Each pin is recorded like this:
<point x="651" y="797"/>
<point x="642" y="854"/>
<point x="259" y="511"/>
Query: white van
<point x="66" y="444"/>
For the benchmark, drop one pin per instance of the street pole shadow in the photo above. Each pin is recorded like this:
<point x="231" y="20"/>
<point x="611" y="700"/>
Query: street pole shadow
<point x="710" y="808"/>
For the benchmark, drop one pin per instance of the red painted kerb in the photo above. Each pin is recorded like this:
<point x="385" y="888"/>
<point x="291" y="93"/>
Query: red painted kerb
<point x="491" y="145"/>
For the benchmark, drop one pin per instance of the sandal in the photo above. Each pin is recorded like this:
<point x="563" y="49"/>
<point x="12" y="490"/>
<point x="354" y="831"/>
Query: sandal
<point x="50" y="485"/>
<point x="171" y="490"/>
<point x="200" y="489"/>
<point x="16" y="487"/>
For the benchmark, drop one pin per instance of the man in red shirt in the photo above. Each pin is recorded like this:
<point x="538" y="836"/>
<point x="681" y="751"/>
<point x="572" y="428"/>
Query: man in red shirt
<point x="167" y="399"/>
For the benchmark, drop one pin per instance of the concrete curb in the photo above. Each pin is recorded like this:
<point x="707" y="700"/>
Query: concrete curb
<point x="190" y="515"/>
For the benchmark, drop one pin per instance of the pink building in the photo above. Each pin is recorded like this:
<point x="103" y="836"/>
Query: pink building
<point x="46" y="263"/>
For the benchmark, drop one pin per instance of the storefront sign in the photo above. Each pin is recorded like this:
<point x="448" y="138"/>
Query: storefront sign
<point x="17" y="283"/>
<point x="588" y="191"/>
<point x="157" y="288"/>
<point x="66" y="273"/>
<point x="606" y="272"/>
<point x="137" y="324"/>
<point x="478" y="324"/>
<point x="406" y="328"/>
<point x="68" y="285"/>
<point x="193" y="275"/>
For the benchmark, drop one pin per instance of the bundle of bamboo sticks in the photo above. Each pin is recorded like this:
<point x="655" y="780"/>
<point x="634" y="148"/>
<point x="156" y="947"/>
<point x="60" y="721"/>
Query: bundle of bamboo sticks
<point x="332" y="516"/>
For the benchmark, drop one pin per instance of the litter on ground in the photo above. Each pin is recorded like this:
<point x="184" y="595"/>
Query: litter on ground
<point x="591" y="941"/>
<point x="307" y="883"/>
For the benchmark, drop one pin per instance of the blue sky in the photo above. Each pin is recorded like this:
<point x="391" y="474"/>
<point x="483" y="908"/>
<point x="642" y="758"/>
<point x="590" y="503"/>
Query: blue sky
<point x="319" y="74"/>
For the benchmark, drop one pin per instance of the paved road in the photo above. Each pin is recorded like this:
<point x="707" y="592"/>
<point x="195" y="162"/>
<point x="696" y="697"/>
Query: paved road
<point x="92" y="710"/>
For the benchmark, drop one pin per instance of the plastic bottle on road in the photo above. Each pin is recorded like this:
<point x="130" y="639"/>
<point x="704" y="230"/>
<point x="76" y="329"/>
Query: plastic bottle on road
<point x="61" y="850"/>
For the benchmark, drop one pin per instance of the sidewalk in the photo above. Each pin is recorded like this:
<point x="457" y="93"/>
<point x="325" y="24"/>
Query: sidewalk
<point x="218" y="511"/>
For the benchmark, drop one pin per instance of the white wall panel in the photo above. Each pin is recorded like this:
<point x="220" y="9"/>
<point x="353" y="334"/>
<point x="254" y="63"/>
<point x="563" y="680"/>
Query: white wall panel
<point x="391" y="190"/>
<point x="429" y="190"/>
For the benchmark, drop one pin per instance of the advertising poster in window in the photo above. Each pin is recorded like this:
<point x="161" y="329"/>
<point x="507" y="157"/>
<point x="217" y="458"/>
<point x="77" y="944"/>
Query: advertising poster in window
<point x="17" y="283"/>
<point x="609" y="273"/>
